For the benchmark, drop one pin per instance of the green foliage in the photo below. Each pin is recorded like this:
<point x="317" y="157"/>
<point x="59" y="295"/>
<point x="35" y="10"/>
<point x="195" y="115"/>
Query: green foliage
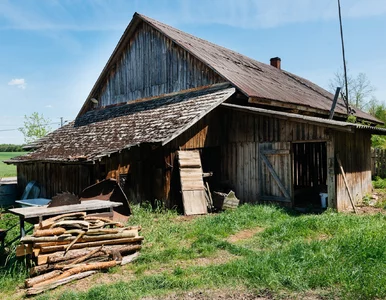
<point x="379" y="183"/>
<point x="342" y="255"/>
<point x="12" y="270"/>
<point x="378" y="110"/>
<point x="351" y="119"/>
<point x="11" y="148"/>
<point x="35" y="127"/>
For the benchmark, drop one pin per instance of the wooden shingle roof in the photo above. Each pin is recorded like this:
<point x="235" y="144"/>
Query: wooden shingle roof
<point x="101" y="132"/>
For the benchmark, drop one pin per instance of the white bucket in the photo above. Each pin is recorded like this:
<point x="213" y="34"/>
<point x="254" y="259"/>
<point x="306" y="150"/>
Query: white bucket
<point x="323" y="199"/>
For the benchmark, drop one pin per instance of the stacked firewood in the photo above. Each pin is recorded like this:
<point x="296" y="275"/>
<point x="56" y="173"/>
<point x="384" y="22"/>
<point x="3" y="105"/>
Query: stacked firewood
<point x="72" y="246"/>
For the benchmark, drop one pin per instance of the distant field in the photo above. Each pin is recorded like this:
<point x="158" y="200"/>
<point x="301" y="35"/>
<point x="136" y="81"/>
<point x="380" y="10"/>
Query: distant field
<point x="8" y="170"/>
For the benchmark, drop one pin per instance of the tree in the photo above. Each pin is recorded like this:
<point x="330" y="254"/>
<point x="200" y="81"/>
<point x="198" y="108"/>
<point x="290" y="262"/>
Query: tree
<point x="378" y="110"/>
<point x="35" y="127"/>
<point x="360" y="89"/>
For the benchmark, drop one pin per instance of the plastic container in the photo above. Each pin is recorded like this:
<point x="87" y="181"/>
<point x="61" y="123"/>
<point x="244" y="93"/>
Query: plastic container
<point x="323" y="199"/>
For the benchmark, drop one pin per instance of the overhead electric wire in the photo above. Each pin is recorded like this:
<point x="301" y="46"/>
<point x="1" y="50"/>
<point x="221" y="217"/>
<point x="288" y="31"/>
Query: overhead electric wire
<point x="14" y="129"/>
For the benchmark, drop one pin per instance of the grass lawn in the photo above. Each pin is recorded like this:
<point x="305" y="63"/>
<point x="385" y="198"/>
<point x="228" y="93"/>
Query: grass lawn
<point x="253" y="250"/>
<point x="8" y="170"/>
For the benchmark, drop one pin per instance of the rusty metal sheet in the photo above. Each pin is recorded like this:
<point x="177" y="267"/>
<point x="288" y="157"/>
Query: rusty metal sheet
<point x="253" y="78"/>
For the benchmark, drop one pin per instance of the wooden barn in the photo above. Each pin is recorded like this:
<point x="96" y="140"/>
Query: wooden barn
<point x="263" y="132"/>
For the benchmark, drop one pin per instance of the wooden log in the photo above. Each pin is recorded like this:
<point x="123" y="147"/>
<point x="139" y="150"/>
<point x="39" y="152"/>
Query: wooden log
<point x="85" y="244"/>
<point x="129" y="258"/>
<point x="80" y="269"/>
<point x="85" y="257"/>
<point x="29" y="239"/>
<point x="74" y="241"/>
<point x="84" y="225"/>
<point x="41" y="269"/>
<point x="47" y="223"/>
<point x="35" y="280"/>
<point x="123" y="234"/>
<point x="112" y="230"/>
<point x="68" y="237"/>
<point x="43" y="288"/>
<point x="49" y="232"/>
<point x="77" y="253"/>
<point x="106" y="220"/>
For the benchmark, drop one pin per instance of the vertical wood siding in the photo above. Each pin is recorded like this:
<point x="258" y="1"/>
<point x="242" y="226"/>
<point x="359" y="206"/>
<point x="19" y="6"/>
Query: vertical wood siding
<point x="355" y="153"/>
<point x="240" y="164"/>
<point x="54" y="177"/>
<point x="153" y="65"/>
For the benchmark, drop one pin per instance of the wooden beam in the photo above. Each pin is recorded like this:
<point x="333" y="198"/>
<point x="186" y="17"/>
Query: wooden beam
<point x="275" y="176"/>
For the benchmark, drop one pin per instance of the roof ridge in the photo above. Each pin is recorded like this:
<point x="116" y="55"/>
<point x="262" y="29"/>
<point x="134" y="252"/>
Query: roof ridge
<point x="155" y="22"/>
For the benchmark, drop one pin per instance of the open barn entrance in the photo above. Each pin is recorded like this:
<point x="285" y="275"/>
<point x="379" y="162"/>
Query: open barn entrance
<point x="310" y="174"/>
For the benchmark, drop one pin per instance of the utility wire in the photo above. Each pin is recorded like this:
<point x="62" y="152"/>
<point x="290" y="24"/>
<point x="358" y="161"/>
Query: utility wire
<point x="14" y="129"/>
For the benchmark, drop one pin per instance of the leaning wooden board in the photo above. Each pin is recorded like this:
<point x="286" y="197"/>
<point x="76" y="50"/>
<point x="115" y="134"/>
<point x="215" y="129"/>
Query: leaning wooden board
<point x="192" y="184"/>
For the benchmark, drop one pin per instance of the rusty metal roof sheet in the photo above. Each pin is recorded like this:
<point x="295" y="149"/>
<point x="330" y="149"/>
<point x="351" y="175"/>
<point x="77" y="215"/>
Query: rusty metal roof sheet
<point x="253" y="78"/>
<point x="101" y="132"/>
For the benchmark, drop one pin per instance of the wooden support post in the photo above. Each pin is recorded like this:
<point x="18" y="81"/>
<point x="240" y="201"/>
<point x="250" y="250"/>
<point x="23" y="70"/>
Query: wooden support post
<point x="345" y="182"/>
<point x="22" y="229"/>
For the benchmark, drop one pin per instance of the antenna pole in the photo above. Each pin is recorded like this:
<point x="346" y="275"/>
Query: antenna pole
<point x="344" y="57"/>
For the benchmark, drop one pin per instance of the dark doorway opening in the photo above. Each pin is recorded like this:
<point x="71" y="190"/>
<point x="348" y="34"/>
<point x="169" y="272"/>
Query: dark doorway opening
<point x="310" y="174"/>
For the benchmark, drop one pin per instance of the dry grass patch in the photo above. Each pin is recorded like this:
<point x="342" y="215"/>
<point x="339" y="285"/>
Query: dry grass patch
<point x="244" y="234"/>
<point x="226" y="293"/>
<point x="221" y="257"/>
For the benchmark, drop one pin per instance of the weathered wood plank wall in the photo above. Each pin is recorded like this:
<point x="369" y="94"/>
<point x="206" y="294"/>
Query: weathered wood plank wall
<point x="54" y="177"/>
<point x="355" y="153"/>
<point x="153" y="65"/>
<point x="240" y="151"/>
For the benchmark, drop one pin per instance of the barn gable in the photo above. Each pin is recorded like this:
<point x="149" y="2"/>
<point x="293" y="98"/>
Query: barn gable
<point x="148" y="64"/>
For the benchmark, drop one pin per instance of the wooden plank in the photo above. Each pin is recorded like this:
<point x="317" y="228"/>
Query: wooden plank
<point x="33" y="212"/>
<point x="192" y="203"/>
<point x="192" y="184"/>
<point x="275" y="152"/>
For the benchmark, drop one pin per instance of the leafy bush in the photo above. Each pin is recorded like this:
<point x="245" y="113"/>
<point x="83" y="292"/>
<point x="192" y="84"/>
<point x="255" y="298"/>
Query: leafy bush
<point x="379" y="183"/>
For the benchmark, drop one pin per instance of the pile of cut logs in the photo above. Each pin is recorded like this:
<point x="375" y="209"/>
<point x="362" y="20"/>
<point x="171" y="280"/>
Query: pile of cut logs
<point x="73" y="246"/>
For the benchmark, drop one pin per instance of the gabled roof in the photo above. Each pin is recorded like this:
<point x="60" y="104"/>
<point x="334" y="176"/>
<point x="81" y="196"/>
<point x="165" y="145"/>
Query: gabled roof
<point x="262" y="83"/>
<point x="98" y="133"/>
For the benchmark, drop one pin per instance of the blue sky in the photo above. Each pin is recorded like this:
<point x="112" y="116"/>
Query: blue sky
<point x="52" y="51"/>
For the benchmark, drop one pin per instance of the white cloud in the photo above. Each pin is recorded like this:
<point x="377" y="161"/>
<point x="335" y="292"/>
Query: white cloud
<point x="19" y="82"/>
<point x="60" y="15"/>
<point x="267" y="14"/>
<point x="49" y="106"/>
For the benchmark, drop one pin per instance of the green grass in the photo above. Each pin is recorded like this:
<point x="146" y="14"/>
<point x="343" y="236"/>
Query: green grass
<point x="334" y="255"/>
<point x="8" y="170"/>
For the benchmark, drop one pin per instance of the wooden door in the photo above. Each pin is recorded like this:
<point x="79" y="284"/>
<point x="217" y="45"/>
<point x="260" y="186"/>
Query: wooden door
<point x="275" y="172"/>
